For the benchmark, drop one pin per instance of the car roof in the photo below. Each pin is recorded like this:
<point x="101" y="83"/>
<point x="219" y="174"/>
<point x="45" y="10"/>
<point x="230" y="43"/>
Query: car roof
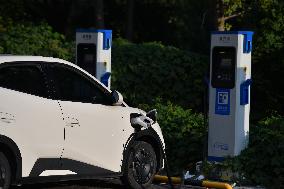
<point x="15" y="58"/>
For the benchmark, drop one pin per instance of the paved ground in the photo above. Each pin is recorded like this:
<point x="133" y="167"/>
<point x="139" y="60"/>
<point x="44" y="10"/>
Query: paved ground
<point x="91" y="184"/>
<point x="104" y="184"/>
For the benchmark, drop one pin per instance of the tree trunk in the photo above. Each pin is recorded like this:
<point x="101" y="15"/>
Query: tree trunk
<point x="216" y="15"/>
<point x="129" y="25"/>
<point x="220" y="15"/>
<point x="99" y="14"/>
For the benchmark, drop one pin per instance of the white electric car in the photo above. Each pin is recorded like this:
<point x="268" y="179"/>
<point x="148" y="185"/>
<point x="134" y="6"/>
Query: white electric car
<point x="57" y="122"/>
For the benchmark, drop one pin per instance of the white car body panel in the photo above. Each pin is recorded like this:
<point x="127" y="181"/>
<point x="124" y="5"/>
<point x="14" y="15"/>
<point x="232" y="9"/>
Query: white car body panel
<point x="107" y="124"/>
<point x="36" y="130"/>
<point x="56" y="172"/>
<point x="158" y="130"/>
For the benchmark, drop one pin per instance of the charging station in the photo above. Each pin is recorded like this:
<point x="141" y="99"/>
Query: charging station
<point x="93" y="53"/>
<point x="229" y="96"/>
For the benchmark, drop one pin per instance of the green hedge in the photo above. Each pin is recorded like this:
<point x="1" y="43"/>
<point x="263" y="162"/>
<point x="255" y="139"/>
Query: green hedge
<point x="263" y="161"/>
<point x="29" y="39"/>
<point x="184" y="133"/>
<point x="150" y="70"/>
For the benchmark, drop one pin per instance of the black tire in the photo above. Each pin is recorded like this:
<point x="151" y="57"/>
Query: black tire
<point x="140" y="165"/>
<point x="5" y="172"/>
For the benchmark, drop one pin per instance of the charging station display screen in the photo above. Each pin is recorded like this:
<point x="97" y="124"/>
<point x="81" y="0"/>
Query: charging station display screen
<point x="226" y="62"/>
<point x="89" y="58"/>
<point x="86" y="57"/>
<point x="223" y="67"/>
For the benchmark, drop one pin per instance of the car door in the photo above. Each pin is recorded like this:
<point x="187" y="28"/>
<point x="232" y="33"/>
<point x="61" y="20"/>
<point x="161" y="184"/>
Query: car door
<point x="95" y="131"/>
<point x="29" y="117"/>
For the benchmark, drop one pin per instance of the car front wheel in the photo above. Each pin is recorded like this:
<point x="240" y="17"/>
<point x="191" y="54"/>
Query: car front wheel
<point x="140" y="165"/>
<point x="5" y="172"/>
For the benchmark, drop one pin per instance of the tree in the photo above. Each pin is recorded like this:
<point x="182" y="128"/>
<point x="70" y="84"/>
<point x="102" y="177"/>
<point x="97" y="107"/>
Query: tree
<point x="130" y="15"/>
<point x="99" y="14"/>
<point x="265" y="17"/>
<point x="224" y="10"/>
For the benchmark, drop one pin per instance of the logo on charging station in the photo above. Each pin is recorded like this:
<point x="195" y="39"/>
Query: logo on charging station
<point x="223" y="97"/>
<point x="221" y="146"/>
<point x="222" y="105"/>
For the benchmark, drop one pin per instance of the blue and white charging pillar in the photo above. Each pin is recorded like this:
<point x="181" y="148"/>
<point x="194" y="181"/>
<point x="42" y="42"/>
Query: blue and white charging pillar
<point x="93" y="53"/>
<point x="229" y="108"/>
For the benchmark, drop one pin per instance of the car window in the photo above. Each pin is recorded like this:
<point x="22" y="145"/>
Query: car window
<point x="24" y="78"/>
<point x="71" y="85"/>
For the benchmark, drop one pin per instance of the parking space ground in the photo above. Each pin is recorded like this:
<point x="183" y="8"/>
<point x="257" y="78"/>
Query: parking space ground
<point x="93" y="184"/>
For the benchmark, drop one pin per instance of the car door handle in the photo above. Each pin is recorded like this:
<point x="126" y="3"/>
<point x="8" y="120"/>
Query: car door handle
<point x="72" y="122"/>
<point x="7" y="120"/>
<point x="6" y="117"/>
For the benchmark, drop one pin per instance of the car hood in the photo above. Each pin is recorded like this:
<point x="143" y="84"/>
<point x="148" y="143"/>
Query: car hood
<point x="135" y="110"/>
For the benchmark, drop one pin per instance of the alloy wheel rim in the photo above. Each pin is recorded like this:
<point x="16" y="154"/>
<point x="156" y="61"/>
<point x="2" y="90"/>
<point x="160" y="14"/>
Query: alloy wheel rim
<point x="142" y="166"/>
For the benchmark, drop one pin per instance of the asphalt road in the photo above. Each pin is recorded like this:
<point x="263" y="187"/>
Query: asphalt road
<point x="90" y="184"/>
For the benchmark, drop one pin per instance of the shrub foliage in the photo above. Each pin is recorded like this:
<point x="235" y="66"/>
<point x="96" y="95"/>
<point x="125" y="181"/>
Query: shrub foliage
<point x="263" y="161"/>
<point x="184" y="132"/>
<point x="29" y="39"/>
<point x="150" y="70"/>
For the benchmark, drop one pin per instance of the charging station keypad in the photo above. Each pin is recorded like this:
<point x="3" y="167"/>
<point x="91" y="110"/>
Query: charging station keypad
<point x="223" y="67"/>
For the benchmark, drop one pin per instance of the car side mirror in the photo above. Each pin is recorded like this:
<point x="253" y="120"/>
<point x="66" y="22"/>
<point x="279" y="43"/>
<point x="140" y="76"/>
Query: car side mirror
<point x="117" y="98"/>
